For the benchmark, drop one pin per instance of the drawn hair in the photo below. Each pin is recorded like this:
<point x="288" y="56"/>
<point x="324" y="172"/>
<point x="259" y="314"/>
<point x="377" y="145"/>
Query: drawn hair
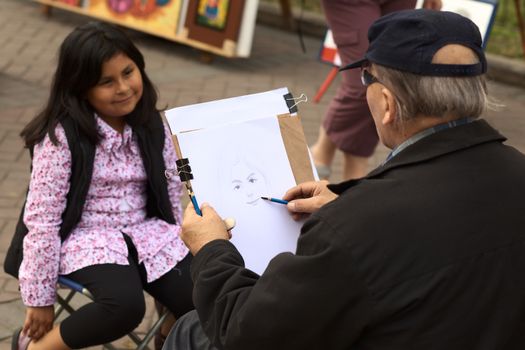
<point x="233" y="155"/>
<point x="80" y="60"/>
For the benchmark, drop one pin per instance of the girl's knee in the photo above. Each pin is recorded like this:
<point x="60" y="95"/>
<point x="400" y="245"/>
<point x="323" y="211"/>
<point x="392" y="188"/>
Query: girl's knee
<point x="125" y="312"/>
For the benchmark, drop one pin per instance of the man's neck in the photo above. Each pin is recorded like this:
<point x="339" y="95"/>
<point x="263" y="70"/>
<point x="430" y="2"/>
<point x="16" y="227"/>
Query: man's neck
<point x="417" y="125"/>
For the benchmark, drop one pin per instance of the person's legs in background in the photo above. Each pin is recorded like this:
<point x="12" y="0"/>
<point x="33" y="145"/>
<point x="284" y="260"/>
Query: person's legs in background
<point x="347" y="122"/>
<point x="347" y="125"/>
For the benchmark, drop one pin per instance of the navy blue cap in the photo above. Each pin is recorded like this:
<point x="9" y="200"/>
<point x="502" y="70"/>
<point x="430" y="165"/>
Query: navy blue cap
<point x="407" y="41"/>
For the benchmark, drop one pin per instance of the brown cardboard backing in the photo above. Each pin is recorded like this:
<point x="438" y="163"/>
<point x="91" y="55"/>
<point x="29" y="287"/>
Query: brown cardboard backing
<point x="210" y="36"/>
<point x="296" y="148"/>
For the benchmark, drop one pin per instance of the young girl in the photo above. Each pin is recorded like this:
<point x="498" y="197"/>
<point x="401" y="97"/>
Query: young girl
<point x="99" y="208"/>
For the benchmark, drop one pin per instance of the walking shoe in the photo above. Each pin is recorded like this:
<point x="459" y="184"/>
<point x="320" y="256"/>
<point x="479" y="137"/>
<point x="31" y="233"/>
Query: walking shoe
<point x="20" y="341"/>
<point x="323" y="171"/>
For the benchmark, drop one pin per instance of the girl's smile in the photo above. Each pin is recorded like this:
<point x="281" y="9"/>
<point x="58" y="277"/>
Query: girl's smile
<point x="127" y="99"/>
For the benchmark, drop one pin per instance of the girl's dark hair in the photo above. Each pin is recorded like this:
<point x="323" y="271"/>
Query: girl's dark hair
<point x="79" y="67"/>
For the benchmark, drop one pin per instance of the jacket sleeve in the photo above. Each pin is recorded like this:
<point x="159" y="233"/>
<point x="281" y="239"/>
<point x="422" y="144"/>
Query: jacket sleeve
<point x="311" y="300"/>
<point x="174" y="183"/>
<point x="46" y="201"/>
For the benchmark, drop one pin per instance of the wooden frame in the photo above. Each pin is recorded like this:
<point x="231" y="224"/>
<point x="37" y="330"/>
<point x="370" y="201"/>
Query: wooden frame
<point x="224" y="38"/>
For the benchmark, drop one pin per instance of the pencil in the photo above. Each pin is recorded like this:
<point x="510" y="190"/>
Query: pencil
<point x="192" y="198"/>
<point x="276" y="200"/>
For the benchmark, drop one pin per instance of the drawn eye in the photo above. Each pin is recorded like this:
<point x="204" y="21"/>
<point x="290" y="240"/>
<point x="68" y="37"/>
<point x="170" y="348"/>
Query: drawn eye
<point x="236" y="187"/>
<point x="252" y="180"/>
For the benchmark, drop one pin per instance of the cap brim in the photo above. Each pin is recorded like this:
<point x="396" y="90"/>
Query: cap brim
<point x="356" y="64"/>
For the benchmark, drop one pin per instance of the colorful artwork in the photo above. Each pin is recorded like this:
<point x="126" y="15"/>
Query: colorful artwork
<point x="120" y="6"/>
<point x="153" y="16"/>
<point x="213" y="13"/>
<point x="216" y="23"/>
<point x="143" y="8"/>
<point x="138" y="8"/>
<point x="71" y="2"/>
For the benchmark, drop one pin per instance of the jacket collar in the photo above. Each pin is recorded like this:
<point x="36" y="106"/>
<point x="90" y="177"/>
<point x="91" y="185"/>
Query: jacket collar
<point x="433" y="146"/>
<point x="112" y="140"/>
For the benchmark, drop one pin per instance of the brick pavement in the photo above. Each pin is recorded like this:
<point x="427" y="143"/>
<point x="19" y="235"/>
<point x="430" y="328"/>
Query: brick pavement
<point x="29" y="41"/>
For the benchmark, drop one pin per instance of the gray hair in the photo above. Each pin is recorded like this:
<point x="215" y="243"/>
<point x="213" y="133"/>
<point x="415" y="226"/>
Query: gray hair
<point x="434" y="96"/>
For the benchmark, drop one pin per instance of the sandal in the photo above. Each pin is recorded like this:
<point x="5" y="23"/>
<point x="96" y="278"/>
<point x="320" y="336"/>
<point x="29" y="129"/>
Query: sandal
<point x="20" y="341"/>
<point x="323" y="171"/>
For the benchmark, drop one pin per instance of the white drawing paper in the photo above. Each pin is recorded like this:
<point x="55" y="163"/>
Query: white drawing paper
<point x="229" y="110"/>
<point x="233" y="166"/>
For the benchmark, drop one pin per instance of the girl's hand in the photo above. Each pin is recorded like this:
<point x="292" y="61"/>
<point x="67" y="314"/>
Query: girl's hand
<point x="199" y="230"/>
<point x="39" y="321"/>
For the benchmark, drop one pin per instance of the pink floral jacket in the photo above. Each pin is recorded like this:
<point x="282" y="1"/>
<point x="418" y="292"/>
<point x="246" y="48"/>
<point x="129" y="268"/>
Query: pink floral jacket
<point x="115" y="204"/>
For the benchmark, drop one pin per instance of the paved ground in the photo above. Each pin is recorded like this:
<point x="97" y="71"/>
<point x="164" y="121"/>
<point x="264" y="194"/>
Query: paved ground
<point x="28" y="44"/>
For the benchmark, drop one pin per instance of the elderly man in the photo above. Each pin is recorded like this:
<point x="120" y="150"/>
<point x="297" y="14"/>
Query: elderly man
<point x="425" y="252"/>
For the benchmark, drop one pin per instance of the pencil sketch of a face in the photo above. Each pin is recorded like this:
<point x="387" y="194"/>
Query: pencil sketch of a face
<point x="247" y="182"/>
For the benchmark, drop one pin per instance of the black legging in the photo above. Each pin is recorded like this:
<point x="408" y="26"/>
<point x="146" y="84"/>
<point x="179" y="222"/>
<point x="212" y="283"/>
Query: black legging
<point x="119" y="304"/>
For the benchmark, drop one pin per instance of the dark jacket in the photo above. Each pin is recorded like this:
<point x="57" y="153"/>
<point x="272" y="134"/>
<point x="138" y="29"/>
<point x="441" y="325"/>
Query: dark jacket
<point x="151" y="143"/>
<point x="426" y="252"/>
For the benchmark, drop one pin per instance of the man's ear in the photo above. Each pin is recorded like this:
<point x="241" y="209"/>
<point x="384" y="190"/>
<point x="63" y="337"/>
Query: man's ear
<point x="390" y="105"/>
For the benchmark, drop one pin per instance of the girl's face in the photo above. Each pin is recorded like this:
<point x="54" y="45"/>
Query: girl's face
<point x="118" y="90"/>
<point x="248" y="185"/>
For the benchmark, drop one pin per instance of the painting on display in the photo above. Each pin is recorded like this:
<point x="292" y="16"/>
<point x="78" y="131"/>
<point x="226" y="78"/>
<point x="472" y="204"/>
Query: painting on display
<point x="481" y="12"/>
<point x="224" y="27"/>
<point x="214" y="22"/>
<point x="155" y="16"/>
<point x="213" y="13"/>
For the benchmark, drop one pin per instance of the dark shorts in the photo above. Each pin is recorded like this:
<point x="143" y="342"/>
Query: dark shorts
<point x="348" y="122"/>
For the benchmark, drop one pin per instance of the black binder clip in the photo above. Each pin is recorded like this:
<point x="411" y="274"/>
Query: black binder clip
<point x="184" y="172"/>
<point x="292" y="102"/>
<point x="184" y="169"/>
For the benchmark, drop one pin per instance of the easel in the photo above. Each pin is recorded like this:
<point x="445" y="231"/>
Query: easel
<point x="286" y="12"/>
<point x="521" y="24"/>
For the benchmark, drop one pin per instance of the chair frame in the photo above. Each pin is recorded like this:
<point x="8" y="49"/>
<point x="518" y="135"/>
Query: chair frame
<point x="63" y="305"/>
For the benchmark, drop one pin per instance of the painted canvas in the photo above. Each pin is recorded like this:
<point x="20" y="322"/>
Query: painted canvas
<point x="159" y="17"/>
<point x="213" y="13"/>
<point x="214" y="22"/>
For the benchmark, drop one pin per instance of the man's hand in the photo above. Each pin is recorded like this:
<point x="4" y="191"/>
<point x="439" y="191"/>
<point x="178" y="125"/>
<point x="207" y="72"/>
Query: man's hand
<point x="39" y="321"/>
<point x="199" y="230"/>
<point x="307" y="198"/>
<point x="432" y="4"/>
